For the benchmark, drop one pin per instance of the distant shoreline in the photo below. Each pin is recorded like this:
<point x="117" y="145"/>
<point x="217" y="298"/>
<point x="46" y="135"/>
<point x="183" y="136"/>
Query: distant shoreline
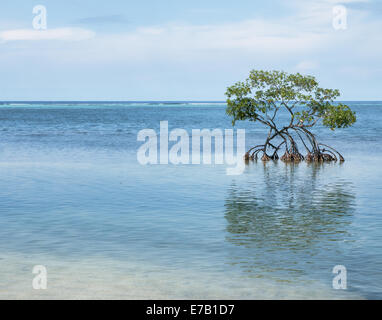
<point x="165" y="102"/>
<point x="104" y="102"/>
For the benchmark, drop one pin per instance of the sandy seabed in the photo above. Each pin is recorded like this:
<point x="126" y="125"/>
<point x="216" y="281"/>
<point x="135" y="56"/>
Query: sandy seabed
<point x="103" y="278"/>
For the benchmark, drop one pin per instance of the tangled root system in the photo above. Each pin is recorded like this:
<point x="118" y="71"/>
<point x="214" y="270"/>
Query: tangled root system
<point x="316" y="152"/>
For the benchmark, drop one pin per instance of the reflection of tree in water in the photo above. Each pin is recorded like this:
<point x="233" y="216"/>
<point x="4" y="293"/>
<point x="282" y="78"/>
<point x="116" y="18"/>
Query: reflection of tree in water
<point x="290" y="214"/>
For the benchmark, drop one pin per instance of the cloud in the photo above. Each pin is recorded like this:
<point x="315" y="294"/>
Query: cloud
<point x="159" y="59"/>
<point x="307" y="65"/>
<point x="301" y="40"/>
<point x="307" y="32"/>
<point x="182" y="41"/>
<point x="106" y="19"/>
<point x="66" y="34"/>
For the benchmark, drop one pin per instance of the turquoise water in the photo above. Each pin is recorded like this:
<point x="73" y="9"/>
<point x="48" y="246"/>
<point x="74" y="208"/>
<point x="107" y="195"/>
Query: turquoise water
<point x="74" y="198"/>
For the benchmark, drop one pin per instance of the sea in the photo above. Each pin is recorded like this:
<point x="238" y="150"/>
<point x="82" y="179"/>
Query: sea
<point x="76" y="201"/>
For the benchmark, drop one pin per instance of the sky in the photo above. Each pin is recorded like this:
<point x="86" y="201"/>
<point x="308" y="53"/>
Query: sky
<point x="185" y="50"/>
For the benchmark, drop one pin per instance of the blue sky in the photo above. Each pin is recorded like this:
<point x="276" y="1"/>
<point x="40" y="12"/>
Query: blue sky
<point x="183" y="50"/>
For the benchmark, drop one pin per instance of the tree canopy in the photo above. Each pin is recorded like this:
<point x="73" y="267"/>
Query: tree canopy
<point x="264" y="93"/>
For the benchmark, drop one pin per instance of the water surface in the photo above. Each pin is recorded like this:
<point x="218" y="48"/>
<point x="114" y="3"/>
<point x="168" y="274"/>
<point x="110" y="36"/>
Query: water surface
<point x="74" y="198"/>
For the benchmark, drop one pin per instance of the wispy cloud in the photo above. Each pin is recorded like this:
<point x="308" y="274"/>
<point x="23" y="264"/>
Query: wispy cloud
<point x="106" y="19"/>
<point x="208" y="55"/>
<point x="66" y="34"/>
<point x="307" y="65"/>
<point x="310" y="34"/>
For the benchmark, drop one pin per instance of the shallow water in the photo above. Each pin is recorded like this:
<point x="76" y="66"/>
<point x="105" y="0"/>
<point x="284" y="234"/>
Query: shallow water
<point x="74" y="198"/>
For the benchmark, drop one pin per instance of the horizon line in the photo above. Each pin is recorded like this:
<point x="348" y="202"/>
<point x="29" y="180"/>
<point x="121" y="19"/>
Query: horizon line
<point x="142" y="101"/>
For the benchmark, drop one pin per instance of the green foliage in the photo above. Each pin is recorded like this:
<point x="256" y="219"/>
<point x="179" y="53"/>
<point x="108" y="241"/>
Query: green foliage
<point x="339" y="116"/>
<point x="263" y="93"/>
